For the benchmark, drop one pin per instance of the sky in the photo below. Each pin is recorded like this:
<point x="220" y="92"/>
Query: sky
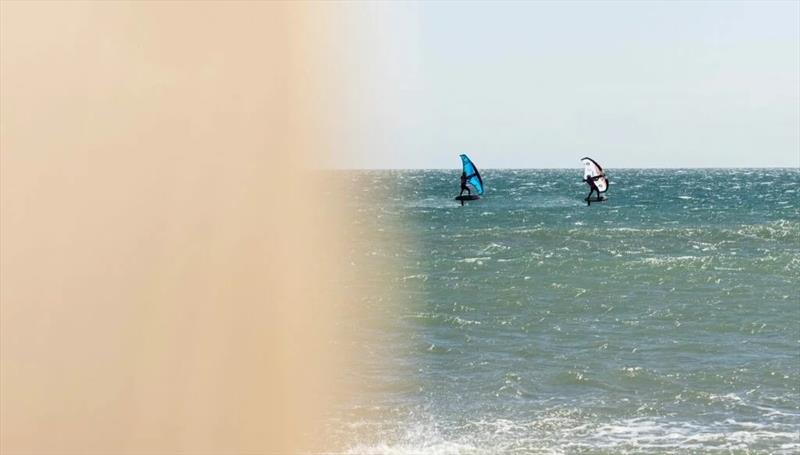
<point x="542" y="84"/>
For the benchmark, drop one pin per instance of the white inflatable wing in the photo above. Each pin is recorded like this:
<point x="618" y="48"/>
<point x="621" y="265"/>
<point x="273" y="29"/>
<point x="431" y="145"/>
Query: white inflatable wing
<point x="593" y="170"/>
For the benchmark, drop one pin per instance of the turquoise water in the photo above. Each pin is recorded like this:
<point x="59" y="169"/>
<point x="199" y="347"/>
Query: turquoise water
<point x="664" y="320"/>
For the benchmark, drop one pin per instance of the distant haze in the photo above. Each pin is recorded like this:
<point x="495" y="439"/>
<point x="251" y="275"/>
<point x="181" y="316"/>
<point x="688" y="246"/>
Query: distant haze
<point x="541" y="84"/>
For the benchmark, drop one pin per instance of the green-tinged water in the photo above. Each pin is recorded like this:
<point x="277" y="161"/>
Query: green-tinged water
<point x="664" y="320"/>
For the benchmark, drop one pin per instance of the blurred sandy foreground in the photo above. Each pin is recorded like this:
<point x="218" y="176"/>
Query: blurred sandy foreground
<point x="161" y="251"/>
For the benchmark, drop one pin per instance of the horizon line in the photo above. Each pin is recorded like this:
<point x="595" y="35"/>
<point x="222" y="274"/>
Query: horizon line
<point x="548" y="168"/>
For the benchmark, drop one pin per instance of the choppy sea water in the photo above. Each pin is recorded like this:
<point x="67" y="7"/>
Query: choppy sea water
<point x="664" y="320"/>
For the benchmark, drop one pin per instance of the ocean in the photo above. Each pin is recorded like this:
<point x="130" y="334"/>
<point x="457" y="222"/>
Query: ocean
<point x="663" y="320"/>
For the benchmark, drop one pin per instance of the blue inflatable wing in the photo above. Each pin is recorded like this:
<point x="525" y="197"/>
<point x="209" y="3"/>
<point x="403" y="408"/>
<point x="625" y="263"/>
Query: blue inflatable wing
<point x="473" y="176"/>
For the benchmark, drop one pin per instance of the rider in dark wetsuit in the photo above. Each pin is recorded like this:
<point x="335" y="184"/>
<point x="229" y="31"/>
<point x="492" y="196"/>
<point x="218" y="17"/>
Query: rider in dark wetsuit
<point x="464" y="186"/>
<point x="464" y="179"/>
<point x="592" y="188"/>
